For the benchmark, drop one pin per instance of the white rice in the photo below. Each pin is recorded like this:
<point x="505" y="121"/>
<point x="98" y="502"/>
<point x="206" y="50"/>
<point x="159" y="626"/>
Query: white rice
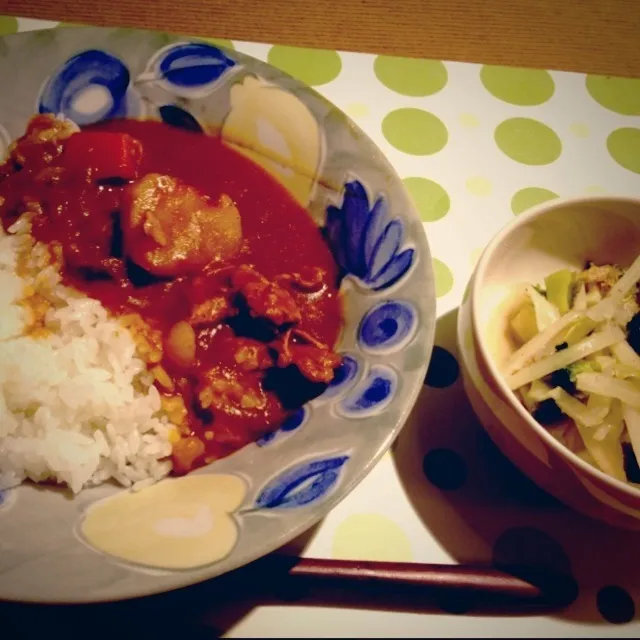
<point x="77" y="406"/>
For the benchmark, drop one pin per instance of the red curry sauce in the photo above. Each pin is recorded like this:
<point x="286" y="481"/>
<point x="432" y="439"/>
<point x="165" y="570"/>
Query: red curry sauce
<point x="289" y="332"/>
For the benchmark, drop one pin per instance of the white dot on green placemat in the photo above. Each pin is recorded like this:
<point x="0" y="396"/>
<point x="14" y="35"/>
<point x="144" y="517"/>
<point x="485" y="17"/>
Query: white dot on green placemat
<point x="411" y="76"/>
<point x="8" y="25"/>
<point x="595" y="190"/>
<point x="530" y="197"/>
<point x="524" y="87"/>
<point x="430" y="198"/>
<point x="528" y="141"/>
<point x="621" y="95"/>
<point x="468" y="120"/>
<point x="219" y="42"/>
<point x="312" y="66"/>
<point x="579" y="130"/>
<point x="624" y="147"/>
<point x="479" y="186"/>
<point x="443" y="277"/>
<point x="357" y="110"/>
<point x="371" y="536"/>
<point x="415" y="131"/>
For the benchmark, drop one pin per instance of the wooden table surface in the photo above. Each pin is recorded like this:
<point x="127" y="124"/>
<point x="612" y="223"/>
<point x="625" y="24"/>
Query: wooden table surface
<point x="598" y="36"/>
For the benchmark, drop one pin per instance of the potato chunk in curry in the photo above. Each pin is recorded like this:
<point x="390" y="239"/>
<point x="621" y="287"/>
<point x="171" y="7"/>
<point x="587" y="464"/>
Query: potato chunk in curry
<point x="170" y="229"/>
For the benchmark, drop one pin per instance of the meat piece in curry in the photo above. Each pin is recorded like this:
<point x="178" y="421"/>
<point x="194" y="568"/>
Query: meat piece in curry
<point x="170" y="229"/>
<point x="225" y="282"/>
<point x="40" y="143"/>
<point x="265" y="299"/>
<point x="312" y="358"/>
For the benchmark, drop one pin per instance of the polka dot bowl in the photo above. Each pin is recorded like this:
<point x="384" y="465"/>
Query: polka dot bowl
<point x="107" y="543"/>
<point x="551" y="236"/>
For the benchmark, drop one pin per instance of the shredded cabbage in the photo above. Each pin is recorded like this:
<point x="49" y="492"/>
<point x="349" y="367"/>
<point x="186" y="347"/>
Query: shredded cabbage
<point x="539" y="391"/>
<point x="613" y="425"/>
<point x="580" y="302"/>
<point x="606" y="385"/>
<point x="576" y="331"/>
<point x="604" y="363"/>
<point x="546" y="313"/>
<point x="606" y="452"/>
<point x="626" y="355"/>
<point x="607" y="307"/>
<point x="584" y="361"/>
<point x="623" y="371"/>
<point x="538" y="343"/>
<point x="592" y="344"/>
<point x="575" y="409"/>
<point x="599" y="405"/>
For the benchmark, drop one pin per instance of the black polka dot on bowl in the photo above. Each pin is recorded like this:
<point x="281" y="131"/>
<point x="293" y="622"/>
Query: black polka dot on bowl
<point x="615" y="605"/>
<point x="535" y="556"/>
<point x="528" y="545"/>
<point x="444" y="469"/>
<point x="443" y="369"/>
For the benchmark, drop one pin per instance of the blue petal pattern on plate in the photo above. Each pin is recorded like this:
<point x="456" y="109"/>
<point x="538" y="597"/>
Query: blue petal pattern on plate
<point x="346" y="375"/>
<point x="302" y="485"/>
<point x="89" y="87"/>
<point x="191" y="67"/>
<point x="292" y="423"/>
<point x="178" y="117"/>
<point x="4" y="496"/>
<point x="365" y="241"/>
<point x="388" y="326"/>
<point x="372" y="394"/>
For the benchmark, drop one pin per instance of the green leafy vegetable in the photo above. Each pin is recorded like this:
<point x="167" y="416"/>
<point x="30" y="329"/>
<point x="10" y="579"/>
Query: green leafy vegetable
<point x="559" y="289"/>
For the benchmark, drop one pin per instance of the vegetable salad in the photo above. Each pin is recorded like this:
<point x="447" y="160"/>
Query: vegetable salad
<point x="577" y="365"/>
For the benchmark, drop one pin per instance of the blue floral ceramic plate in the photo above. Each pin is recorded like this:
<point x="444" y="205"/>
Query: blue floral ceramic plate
<point x="108" y="543"/>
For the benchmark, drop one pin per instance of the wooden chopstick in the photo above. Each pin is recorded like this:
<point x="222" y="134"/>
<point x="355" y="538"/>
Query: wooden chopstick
<point x="468" y="587"/>
<point x="392" y="586"/>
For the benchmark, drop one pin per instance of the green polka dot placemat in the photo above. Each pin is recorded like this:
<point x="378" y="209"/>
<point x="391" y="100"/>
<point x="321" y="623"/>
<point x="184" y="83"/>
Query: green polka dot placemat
<point x="475" y="145"/>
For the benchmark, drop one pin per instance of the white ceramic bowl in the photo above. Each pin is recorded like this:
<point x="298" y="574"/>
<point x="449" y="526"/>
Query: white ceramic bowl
<point x="563" y="233"/>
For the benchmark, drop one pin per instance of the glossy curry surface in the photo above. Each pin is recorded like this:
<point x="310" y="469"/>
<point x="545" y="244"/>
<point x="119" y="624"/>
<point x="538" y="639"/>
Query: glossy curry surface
<point x="226" y="283"/>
